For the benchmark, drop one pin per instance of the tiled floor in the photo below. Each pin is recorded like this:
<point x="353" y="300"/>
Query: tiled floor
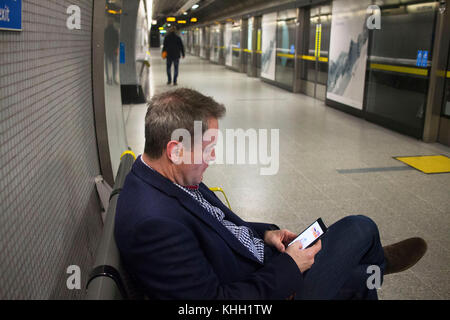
<point x="315" y="142"/>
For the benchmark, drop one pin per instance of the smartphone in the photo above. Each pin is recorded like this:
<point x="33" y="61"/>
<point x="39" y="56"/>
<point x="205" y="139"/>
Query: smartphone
<point x="312" y="234"/>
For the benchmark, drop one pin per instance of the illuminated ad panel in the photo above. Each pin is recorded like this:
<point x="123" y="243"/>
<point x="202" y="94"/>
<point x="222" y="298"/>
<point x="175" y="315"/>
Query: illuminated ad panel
<point x="348" y="52"/>
<point x="268" y="45"/>
<point x="228" y="44"/>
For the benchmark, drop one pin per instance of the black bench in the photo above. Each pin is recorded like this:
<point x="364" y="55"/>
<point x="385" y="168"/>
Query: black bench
<point x="108" y="279"/>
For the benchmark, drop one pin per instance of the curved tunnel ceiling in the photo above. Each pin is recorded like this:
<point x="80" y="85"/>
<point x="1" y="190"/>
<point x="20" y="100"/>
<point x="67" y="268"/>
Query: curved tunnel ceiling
<point x="165" y="8"/>
<point x="209" y="10"/>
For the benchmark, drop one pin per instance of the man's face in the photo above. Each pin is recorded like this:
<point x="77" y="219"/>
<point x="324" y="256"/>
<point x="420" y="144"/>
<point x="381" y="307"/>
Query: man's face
<point x="192" y="174"/>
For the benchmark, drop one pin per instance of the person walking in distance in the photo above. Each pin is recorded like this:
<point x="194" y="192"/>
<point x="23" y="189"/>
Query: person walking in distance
<point x="174" y="47"/>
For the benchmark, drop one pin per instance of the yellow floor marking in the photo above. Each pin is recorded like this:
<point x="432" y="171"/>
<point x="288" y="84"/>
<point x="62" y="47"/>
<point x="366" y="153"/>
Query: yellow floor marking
<point x="428" y="164"/>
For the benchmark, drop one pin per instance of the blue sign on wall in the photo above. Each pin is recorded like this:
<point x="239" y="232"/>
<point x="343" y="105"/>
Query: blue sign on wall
<point x="292" y="51"/>
<point x="419" y="58"/>
<point x="422" y="58"/>
<point x="425" y="59"/>
<point x="11" y="15"/>
<point x="122" y="53"/>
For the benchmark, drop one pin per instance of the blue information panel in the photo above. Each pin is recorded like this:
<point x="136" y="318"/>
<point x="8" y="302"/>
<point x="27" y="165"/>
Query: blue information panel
<point x="422" y="58"/>
<point x="292" y="51"/>
<point x="11" y="15"/>
<point x="419" y="58"/>
<point x="425" y="59"/>
<point x="122" y="53"/>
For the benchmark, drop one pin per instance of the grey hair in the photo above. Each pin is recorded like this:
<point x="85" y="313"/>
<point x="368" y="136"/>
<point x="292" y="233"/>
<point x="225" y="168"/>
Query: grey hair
<point x="176" y="109"/>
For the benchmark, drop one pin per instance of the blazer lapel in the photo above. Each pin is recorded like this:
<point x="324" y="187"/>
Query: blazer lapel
<point x="229" y="215"/>
<point x="168" y="187"/>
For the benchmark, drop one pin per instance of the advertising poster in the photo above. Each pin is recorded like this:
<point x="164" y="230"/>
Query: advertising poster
<point x="191" y="41"/>
<point x="227" y="37"/>
<point x="348" y="52"/>
<point x="212" y="43"/>
<point x="268" y="45"/>
<point x="250" y="34"/>
<point x="215" y="43"/>
<point x="202" y="43"/>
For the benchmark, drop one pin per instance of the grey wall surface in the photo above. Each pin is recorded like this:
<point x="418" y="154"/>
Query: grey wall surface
<point x="134" y="72"/>
<point x="49" y="211"/>
<point x="128" y="37"/>
<point x="134" y="34"/>
<point x="112" y="103"/>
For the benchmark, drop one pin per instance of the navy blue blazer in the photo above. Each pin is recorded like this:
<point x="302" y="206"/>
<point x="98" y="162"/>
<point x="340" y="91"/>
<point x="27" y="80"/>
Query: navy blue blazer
<point x="175" y="249"/>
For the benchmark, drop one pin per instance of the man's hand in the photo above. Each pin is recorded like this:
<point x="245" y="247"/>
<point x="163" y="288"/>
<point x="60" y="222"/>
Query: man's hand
<point x="303" y="258"/>
<point x="279" y="238"/>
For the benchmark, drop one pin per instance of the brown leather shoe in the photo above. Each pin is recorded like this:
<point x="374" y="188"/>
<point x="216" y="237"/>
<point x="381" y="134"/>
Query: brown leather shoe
<point x="403" y="255"/>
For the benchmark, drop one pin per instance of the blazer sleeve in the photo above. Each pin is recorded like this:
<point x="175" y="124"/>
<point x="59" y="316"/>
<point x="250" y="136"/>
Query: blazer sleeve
<point x="261" y="228"/>
<point x="168" y="261"/>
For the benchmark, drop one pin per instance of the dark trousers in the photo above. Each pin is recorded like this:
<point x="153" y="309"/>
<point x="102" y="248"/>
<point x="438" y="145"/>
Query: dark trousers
<point x="111" y="60"/>
<point x="340" y="269"/>
<point x="176" y="63"/>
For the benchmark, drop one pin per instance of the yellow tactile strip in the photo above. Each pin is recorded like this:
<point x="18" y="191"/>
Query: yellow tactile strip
<point x="428" y="164"/>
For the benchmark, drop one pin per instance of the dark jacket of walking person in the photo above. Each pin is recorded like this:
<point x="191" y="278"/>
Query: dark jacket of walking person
<point x="174" y="48"/>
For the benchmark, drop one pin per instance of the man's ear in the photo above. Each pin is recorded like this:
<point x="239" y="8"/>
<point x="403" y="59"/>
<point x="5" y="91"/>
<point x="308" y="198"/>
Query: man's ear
<point x="175" y="151"/>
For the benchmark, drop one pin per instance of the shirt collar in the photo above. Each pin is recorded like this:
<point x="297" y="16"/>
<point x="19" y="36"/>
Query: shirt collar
<point x="190" y="188"/>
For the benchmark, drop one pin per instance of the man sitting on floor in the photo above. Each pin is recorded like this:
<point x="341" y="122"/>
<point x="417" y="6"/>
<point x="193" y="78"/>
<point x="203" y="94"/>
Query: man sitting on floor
<point x="179" y="241"/>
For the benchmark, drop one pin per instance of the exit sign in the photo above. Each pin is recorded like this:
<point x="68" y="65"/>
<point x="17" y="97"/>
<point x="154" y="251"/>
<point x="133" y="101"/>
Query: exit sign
<point x="11" y="15"/>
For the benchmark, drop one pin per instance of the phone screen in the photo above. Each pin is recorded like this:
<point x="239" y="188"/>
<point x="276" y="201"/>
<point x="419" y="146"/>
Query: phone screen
<point x="309" y="235"/>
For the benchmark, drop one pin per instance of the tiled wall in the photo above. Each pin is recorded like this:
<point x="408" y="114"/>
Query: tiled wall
<point x="49" y="211"/>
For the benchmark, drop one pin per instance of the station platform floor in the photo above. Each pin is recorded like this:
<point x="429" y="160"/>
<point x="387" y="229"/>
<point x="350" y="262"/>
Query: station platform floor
<point x="331" y="165"/>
